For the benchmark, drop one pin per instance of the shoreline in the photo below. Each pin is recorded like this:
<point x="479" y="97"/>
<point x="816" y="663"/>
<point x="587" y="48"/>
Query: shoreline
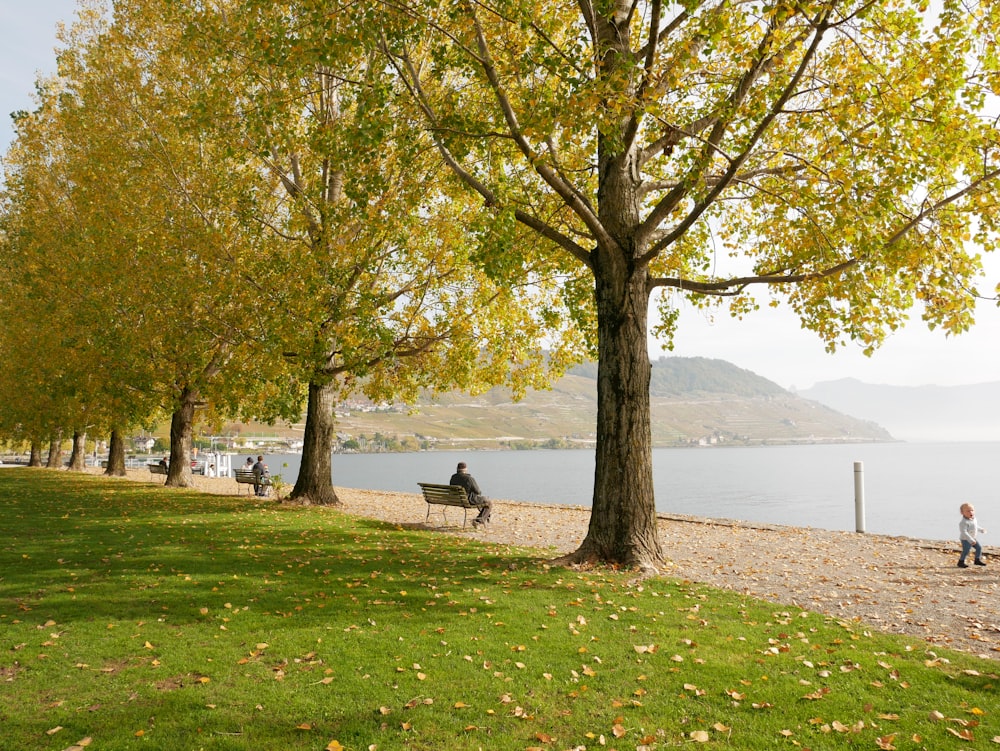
<point x="895" y="584"/>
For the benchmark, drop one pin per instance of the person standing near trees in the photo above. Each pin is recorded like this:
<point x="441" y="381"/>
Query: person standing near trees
<point x="259" y="471"/>
<point x="463" y="479"/>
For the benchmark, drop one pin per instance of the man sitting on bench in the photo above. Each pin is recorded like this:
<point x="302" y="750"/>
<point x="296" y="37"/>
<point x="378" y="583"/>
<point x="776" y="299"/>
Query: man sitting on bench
<point x="463" y="479"/>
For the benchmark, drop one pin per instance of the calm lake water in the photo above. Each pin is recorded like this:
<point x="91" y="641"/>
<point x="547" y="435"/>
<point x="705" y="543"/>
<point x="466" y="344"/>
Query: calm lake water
<point x="911" y="489"/>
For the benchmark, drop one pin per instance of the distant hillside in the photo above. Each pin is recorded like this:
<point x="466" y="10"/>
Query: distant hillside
<point x="677" y="376"/>
<point x="918" y="413"/>
<point x="694" y="400"/>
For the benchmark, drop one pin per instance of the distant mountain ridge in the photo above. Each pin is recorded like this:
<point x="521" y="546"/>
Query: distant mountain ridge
<point x="918" y="413"/>
<point x="677" y="376"/>
<point x="693" y="401"/>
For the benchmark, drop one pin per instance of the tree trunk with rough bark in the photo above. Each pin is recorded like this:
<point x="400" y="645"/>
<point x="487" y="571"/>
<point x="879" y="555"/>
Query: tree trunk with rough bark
<point x="623" y="520"/>
<point x="35" y="456"/>
<point x="181" y="433"/>
<point x="116" y="455"/>
<point x="315" y="481"/>
<point x="78" y="457"/>
<point x="55" y="453"/>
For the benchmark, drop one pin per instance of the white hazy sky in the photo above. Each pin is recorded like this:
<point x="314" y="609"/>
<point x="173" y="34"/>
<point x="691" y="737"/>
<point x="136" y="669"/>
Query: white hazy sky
<point x="769" y="342"/>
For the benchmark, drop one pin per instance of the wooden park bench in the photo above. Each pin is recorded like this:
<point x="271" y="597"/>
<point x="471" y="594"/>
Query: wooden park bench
<point x="159" y="469"/>
<point x="446" y="495"/>
<point x="245" y="477"/>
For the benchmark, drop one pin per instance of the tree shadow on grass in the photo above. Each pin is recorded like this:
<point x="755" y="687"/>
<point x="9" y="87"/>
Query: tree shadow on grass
<point x="86" y="547"/>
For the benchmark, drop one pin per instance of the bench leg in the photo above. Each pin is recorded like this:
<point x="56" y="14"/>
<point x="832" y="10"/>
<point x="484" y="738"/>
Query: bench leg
<point x="444" y="515"/>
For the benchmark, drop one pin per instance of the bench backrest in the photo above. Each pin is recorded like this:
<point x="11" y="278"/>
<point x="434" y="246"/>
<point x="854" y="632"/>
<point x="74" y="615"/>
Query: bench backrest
<point x="446" y="495"/>
<point x="246" y="475"/>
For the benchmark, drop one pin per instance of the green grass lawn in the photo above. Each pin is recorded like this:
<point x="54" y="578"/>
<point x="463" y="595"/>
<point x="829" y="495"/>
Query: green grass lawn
<point x="135" y="616"/>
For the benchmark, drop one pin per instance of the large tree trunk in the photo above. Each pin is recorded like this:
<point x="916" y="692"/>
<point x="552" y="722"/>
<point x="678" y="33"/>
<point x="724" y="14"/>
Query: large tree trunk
<point x="55" y="453"/>
<point x="78" y="457"/>
<point x="116" y="455"/>
<point x="35" y="457"/>
<point x="623" y="519"/>
<point x="315" y="480"/>
<point x="181" y="432"/>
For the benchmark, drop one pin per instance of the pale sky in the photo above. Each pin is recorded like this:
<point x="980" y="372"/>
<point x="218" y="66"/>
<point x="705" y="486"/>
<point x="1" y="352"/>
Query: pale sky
<point x="27" y="48"/>
<point x="768" y="342"/>
<point x="771" y="343"/>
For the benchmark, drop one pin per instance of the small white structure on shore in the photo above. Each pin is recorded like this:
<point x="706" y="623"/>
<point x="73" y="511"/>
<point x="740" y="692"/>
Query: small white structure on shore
<point x="223" y="462"/>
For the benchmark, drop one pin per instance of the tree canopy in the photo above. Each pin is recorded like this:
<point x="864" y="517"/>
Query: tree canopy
<point x="838" y="152"/>
<point x="265" y="221"/>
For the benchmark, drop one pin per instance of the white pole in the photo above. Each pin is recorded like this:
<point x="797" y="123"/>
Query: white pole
<point x="859" y="496"/>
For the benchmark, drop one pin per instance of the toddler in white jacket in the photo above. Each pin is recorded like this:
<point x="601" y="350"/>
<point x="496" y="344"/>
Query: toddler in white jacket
<point x="968" y="529"/>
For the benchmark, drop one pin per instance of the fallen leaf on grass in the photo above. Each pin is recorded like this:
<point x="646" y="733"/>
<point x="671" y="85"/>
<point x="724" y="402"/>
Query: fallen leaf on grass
<point x="79" y="745"/>
<point x="857" y="727"/>
<point x="699" y="736"/>
<point x="817" y="695"/>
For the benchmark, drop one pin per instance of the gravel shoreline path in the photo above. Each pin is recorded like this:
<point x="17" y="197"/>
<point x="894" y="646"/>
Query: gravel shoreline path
<point x="895" y="584"/>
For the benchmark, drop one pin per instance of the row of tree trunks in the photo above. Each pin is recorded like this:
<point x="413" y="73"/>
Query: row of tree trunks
<point x="314" y="484"/>
<point x="77" y="461"/>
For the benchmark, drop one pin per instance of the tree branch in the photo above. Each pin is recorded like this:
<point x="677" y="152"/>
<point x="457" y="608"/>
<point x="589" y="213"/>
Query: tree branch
<point x="411" y="80"/>
<point x="669" y="203"/>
